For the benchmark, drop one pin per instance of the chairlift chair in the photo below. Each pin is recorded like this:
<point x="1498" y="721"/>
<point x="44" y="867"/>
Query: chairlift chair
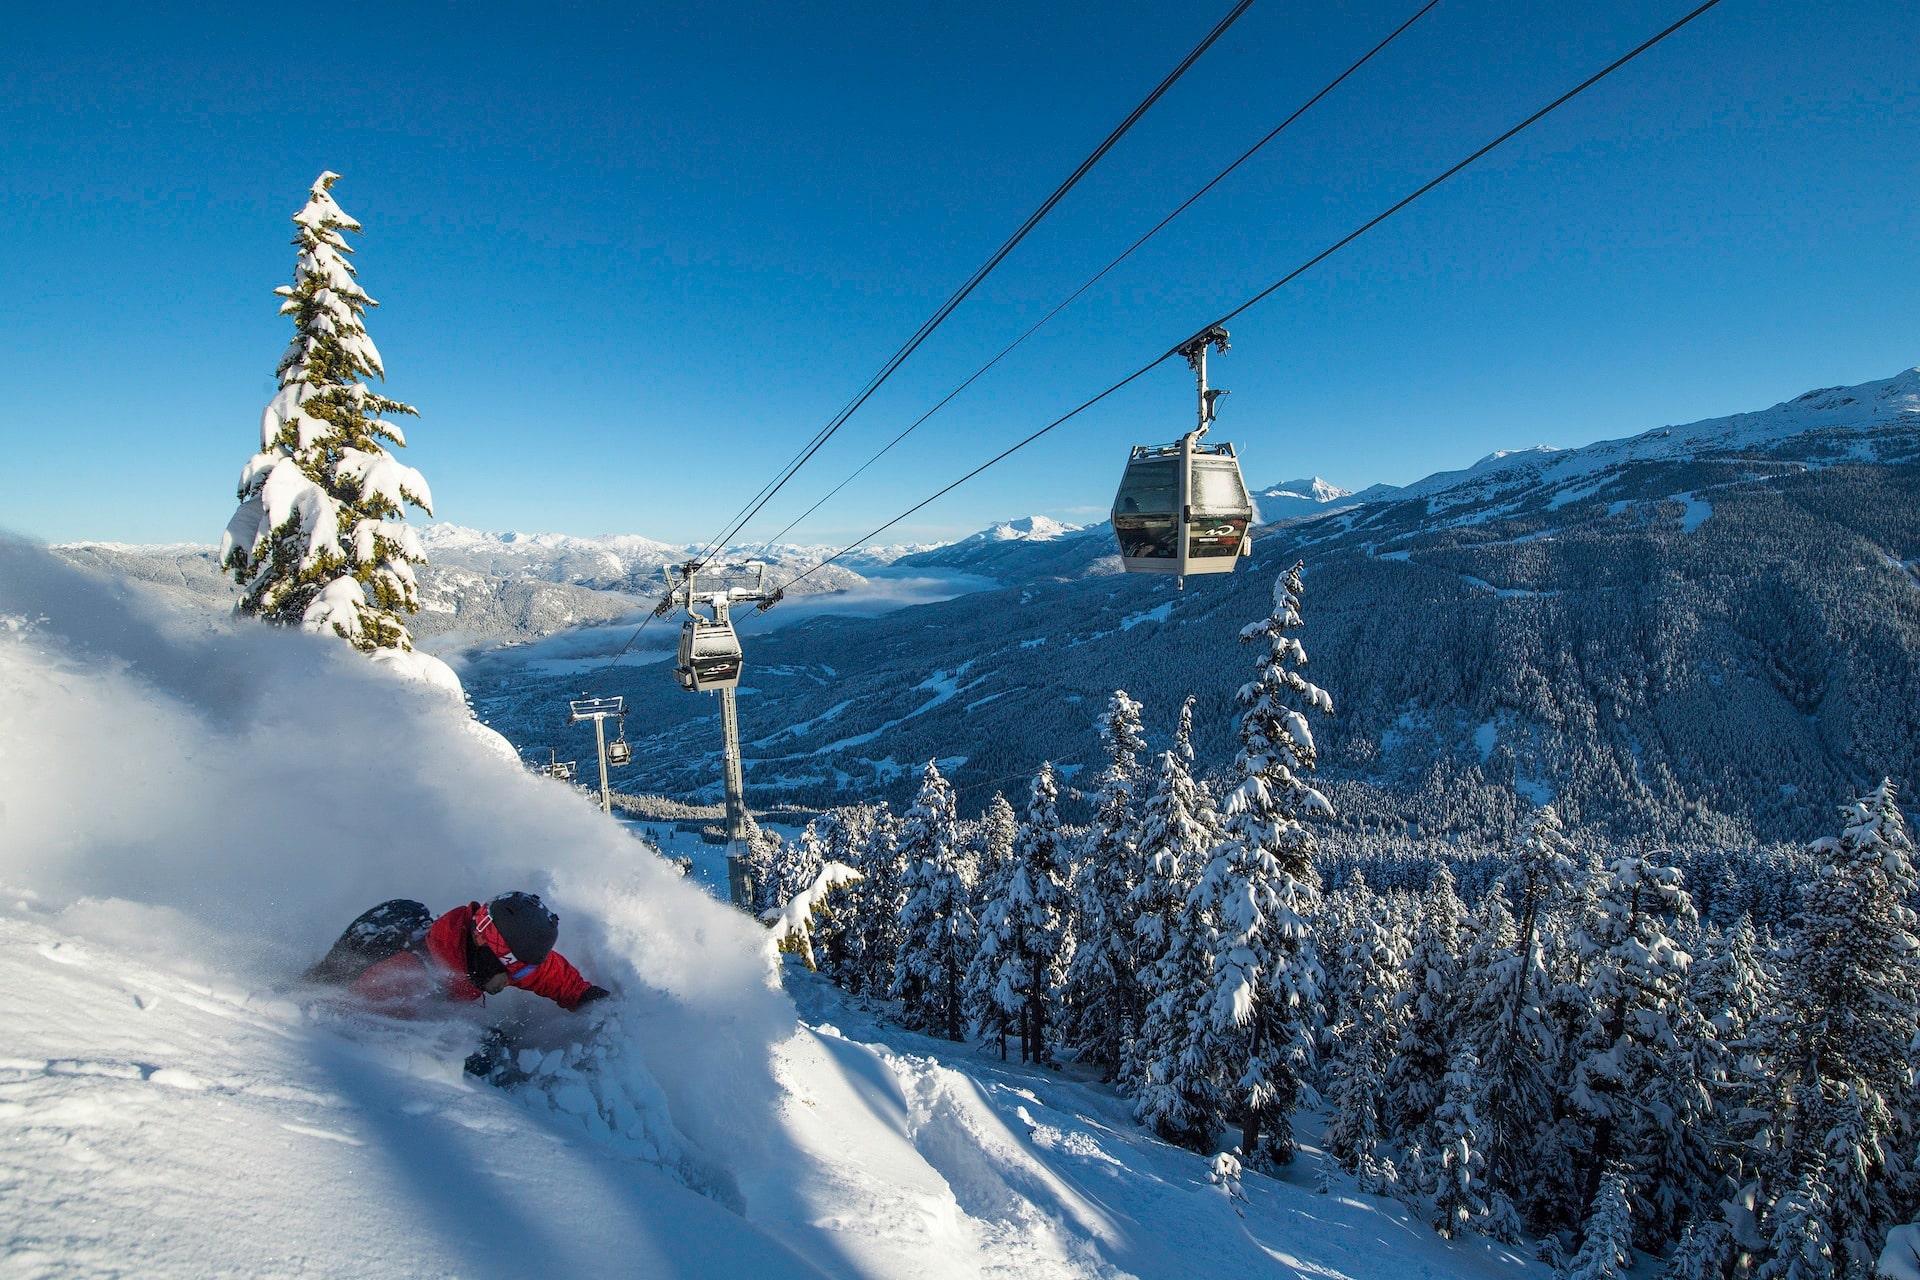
<point x="618" y="752"/>
<point x="1183" y="508"/>
<point x="709" y="656"/>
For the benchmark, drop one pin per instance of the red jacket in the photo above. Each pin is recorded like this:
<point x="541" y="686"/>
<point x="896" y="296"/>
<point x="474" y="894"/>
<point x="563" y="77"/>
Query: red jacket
<point x="401" y="981"/>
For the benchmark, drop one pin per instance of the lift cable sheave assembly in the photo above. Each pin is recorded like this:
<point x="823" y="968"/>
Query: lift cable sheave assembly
<point x="1102" y="274"/>
<point x="1267" y="292"/>
<point x="934" y="321"/>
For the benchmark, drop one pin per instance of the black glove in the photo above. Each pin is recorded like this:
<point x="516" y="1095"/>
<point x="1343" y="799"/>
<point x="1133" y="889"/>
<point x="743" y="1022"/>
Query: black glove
<point x="590" y="995"/>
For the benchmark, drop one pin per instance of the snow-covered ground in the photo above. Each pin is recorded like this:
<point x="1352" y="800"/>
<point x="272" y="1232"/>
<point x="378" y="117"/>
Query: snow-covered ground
<point x="189" y="811"/>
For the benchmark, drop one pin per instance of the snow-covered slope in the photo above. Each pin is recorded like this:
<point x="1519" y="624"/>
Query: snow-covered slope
<point x="1874" y="421"/>
<point x="192" y="811"/>
<point x="162" y="1116"/>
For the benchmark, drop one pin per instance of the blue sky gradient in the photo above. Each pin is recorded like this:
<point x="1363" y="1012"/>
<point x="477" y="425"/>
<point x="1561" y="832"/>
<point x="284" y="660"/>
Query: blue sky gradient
<point x="631" y="257"/>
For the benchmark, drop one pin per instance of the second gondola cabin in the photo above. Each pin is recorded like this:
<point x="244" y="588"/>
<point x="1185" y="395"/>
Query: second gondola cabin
<point x="709" y="657"/>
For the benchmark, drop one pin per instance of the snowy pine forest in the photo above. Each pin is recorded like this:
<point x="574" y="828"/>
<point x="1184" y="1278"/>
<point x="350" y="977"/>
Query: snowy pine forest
<point x="1591" y="1050"/>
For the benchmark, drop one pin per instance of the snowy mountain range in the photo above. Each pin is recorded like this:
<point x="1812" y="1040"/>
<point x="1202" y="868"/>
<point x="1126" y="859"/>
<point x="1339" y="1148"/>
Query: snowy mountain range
<point x="1649" y="631"/>
<point x="1440" y="613"/>
<point x="1871" y="422"/>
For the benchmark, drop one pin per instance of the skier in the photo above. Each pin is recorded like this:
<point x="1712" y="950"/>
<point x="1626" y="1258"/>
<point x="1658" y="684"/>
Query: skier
<point x="395" y="956"/>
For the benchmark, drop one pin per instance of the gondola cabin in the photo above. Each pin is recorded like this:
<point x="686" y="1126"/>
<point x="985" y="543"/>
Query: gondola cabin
<point x="1183" y="508"/>
<point x="709" y="656"/>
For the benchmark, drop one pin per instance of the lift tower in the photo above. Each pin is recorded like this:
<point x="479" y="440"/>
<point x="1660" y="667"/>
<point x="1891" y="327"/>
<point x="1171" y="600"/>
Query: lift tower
<point x="709" y="661"/>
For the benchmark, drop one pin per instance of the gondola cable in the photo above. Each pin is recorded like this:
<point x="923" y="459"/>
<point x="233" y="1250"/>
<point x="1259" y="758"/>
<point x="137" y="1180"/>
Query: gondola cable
<point x="1267" y="292"/>
<point x="813" y="446"/>
<point x="1101" y="274"/>
<point x="960" y="295"/>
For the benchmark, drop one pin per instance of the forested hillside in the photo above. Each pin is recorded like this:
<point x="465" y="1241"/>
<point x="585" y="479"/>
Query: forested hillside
<point x="1709" y="631"/>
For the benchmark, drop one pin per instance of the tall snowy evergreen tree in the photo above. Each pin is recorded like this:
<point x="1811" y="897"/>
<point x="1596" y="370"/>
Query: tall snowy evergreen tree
<point x="1262" y="888"/>
<point x="796" y="864"/>
<point x="1169" y="1062"/>
<point x="1509" y="1027"/>
<point x="832" y="926"/>
<point x="874" y="937"/>
<point x="1703" y="1252"/>
<point x="1025" y="940"/>
<point x="1361" y="1040"/>
<point x="1103" y="994"/>
<point x="1800" y="1245"/>
<point x="765" y="852"/>
<point x="938" y="937"/>
<point x="992" y="907"/>
<point x="1415" y="1079"/>
<point x="1635" y="1078"/>
<point x="1841" y="1046"/>
<point x="999" y="826"/>
<point x="1732" y="985"/>
<point x="1459" y="1170"/>
<point x="320" y="540"/>
<point x="1606" y="1247"/>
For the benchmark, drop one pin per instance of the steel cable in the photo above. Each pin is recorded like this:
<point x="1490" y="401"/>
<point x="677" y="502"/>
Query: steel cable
<point x="1267" y="292"/>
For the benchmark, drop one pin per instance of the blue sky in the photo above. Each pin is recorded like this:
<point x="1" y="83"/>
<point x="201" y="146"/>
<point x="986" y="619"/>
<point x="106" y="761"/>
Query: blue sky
<point x="630" y="257"/>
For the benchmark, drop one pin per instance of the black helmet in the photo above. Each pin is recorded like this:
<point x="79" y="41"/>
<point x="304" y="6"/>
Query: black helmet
<point x="523" y="924"/>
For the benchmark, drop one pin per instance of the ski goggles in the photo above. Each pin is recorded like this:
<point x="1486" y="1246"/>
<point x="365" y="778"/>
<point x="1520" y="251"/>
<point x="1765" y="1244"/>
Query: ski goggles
<point x="491" y="937"/>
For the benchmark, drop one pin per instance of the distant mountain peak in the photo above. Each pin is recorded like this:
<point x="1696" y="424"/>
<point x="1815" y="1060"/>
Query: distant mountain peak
<point x="1025" y="529"/>
<point x="1313" y="489"/>
<point x="1294" y="499"/>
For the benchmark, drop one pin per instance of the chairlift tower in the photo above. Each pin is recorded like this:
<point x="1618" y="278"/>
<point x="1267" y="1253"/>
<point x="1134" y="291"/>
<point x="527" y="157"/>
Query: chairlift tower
<point x="598" y="710"/>
<point x="710" y="662"/>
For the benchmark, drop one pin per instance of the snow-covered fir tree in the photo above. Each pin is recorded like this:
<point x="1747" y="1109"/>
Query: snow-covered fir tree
<point x="992" y="908"/>
<point x="1458" y="1170"/>
<point x="1704" y="1251"/>
<point x="1026" y="943"/>
<point x="1634" y="1076"/>
<point x="1171" y="1060"/>
<point x="1841" y="1046"/>
<point x="1606" y="1246"/>
<point x="1732" y="984"/>
<point x="938" y="936"/>
<point x="797" y="863"/>
<point x="998" y="827"/>
<point x="1366" y="969"/>
<point x="1430" y="987"/>
<point x="873" y="936"/>
<point x="1262" y="889"/>
<point x="320" y="540"/>
<point x="1103" y="991"/>
<point x="1800" y="1245"/>
<point x="1508" y="1026"/>
<point x="831" y="926"/>
<point x="764" y="853"/>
